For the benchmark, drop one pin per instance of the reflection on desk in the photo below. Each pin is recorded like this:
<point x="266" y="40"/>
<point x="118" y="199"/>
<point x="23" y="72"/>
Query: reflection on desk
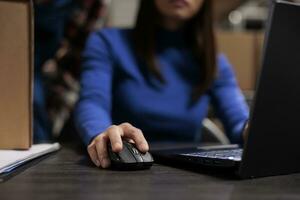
<point x="69" y="174"/>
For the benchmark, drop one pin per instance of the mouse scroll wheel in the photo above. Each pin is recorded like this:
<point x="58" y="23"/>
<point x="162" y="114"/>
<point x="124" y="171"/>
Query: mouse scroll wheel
<point x="135" y="151"/>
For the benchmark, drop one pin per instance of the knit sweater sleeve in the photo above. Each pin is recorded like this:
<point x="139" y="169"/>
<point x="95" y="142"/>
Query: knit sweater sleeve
<point x="93" y="111"/>
<point x="229" y="102"/>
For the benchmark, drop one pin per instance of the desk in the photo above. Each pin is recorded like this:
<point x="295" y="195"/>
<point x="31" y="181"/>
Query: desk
<point x="68" y="174"/>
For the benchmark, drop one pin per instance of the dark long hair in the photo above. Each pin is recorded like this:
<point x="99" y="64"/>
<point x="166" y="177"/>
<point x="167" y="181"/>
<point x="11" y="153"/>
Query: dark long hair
<point x="199" y="34"/>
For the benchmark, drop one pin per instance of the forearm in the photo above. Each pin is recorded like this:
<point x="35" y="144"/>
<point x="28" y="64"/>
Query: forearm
<point x="91" y="119"/>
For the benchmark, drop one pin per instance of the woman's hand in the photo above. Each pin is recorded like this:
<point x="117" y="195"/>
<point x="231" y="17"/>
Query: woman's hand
<point x="246" y="131"/>
<point x="114" y="134"/>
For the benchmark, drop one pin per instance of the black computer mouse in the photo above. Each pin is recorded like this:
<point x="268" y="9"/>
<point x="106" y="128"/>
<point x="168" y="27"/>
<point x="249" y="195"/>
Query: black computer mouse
<point x="130" y="158"/>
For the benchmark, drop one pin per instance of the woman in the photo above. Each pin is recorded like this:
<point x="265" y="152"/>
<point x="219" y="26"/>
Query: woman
<point x="156" y="80"/>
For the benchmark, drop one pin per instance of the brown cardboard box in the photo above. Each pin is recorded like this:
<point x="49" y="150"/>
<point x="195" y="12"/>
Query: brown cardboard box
<point x="243" y="50"/>
<point x="16" y="63"/>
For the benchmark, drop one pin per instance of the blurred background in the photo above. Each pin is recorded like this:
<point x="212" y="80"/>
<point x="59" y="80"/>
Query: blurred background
<point x="240" y="26"/>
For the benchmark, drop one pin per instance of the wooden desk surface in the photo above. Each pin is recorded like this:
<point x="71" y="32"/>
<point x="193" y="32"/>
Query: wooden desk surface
<point x="68" y="174"/>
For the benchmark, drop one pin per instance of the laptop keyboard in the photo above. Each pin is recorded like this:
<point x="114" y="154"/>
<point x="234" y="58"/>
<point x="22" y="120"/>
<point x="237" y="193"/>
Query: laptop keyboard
<point x="232" y="154"/>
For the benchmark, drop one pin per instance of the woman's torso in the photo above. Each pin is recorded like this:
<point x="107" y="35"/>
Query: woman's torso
<point x="161" y="110"/>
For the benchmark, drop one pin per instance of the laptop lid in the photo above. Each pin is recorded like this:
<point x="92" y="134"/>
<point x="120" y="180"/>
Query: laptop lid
<point x="272" y="147"/>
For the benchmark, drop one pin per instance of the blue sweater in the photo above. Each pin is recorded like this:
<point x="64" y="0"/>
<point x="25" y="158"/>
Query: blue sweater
<point x="115" y="89"/>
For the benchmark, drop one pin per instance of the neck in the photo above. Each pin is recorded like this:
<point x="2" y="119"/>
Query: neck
<point x="172" y="24"/>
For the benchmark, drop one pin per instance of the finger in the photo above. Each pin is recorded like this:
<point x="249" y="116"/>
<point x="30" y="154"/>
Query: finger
<point x="101" y="148"/>
<point x="93" y="154"/>
<point x="115" y="136"/>
<point x="246" y="131"/>
<point x="129" y="140"/>
<point x="137" y="135"/>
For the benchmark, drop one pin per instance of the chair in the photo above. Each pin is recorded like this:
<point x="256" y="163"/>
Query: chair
<point x="212" y="133"/>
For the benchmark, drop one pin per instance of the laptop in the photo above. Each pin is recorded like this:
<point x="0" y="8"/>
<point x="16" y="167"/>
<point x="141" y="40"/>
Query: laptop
<point x="273" y="143"/>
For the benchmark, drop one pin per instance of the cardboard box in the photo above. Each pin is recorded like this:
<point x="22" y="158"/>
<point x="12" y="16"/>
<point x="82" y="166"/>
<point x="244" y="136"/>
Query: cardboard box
<point x="16" y="64"/>
<point x="243" y="50"/>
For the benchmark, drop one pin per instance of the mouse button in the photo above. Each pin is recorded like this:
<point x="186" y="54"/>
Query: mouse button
<point x="112" y="155"/>
<point x="147" y="157"/>
<point x="134" y="151"/>
<point x="126" y="155"/>
<point x="137" y="154"/>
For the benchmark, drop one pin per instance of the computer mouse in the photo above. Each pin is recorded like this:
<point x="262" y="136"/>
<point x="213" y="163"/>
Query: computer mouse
<point x="130" y="158"/>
